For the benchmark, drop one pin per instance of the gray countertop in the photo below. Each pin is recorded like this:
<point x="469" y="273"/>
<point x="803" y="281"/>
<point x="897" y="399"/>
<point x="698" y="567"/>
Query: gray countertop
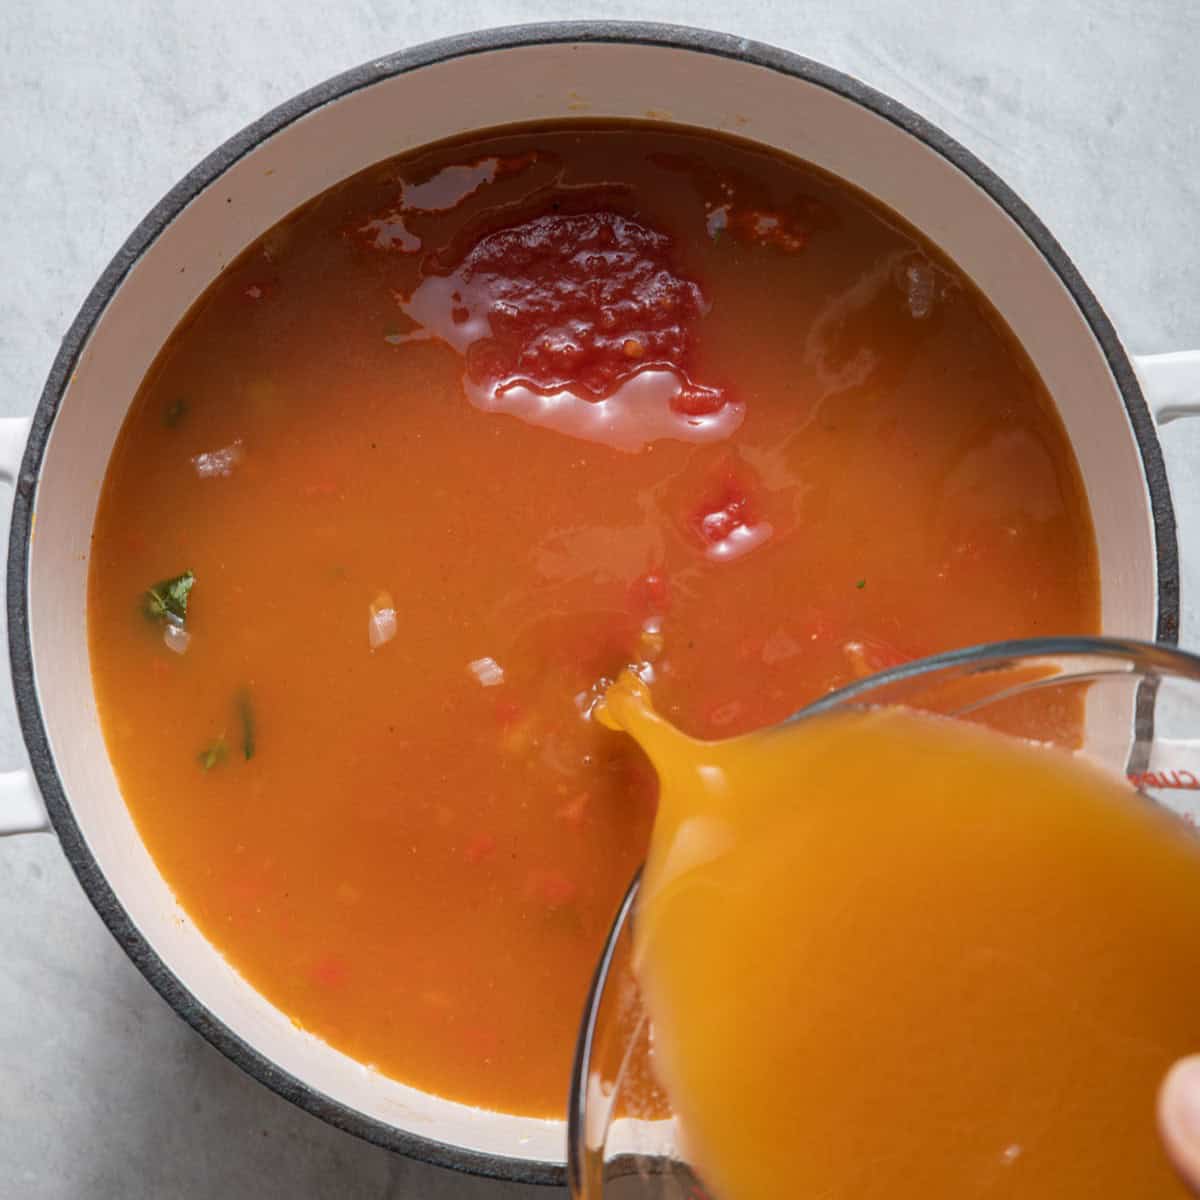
<point x="1089" y="108"/>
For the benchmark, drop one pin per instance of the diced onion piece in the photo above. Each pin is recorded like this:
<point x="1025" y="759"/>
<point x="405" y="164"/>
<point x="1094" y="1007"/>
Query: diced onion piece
<point x="218" y="463"/>
<point x="920" y="285"/>
<point x="651" y="640"/>
<point x="487" y="670"/>
<point x="381" y="627"/>
<point x="176" y="637"/>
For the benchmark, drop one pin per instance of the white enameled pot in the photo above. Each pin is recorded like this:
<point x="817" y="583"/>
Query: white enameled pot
<point x="589" y="70"/>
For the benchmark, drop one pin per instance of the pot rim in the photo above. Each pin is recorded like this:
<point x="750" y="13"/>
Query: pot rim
<point x="87" y="869"/>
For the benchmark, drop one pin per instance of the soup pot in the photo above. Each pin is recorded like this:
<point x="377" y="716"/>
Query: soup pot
<point x="1108" y="402"/>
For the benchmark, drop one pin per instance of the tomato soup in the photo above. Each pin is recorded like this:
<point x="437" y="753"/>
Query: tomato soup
<point x="451" y="445"/>
<point x="892" y="955"/>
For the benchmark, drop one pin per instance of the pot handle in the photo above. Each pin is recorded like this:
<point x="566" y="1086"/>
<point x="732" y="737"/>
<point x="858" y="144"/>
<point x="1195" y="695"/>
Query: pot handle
<point x="1171" y="383"/>
<point x="21" y="807"/>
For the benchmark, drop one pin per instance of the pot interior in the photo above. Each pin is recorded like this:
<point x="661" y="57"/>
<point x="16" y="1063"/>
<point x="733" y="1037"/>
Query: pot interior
<point x="245" y="190"/>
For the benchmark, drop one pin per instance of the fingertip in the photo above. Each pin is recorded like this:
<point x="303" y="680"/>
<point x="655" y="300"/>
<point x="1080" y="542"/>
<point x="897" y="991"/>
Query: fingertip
<point x="1179" y="1116"/>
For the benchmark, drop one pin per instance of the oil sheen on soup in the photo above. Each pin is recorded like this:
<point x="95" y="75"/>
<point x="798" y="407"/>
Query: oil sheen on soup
<point x="449" y="447"/>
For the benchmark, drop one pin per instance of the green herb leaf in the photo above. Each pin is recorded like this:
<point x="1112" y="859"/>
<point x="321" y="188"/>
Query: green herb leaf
<point x="245" y="709"/>
<point x="214" y="754"/>
<point x="167" y="600"/>
<point x="862" y="583"/>
<point x="175" y="413"/>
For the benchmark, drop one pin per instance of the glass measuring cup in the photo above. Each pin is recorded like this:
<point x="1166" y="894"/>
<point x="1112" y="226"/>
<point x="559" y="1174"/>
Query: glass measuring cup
<point x="1127" y="706"/>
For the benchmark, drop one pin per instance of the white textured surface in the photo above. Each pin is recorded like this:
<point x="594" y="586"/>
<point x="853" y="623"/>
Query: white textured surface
<point x="1087" y="107"/>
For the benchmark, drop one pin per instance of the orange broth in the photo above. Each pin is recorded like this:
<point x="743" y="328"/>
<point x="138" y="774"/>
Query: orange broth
<point x="558" y="398"/>
<point x="893" y="955"/>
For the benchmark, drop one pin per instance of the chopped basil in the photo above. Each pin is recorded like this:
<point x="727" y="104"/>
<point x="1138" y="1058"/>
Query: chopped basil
<point x="245" y="709"/>
<point x="216" y="753"/>
<point x="218" y="750"/>
<point x="167" y="600"/>
<point x="862" y="583"/>
<point x="175" y="413"/>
